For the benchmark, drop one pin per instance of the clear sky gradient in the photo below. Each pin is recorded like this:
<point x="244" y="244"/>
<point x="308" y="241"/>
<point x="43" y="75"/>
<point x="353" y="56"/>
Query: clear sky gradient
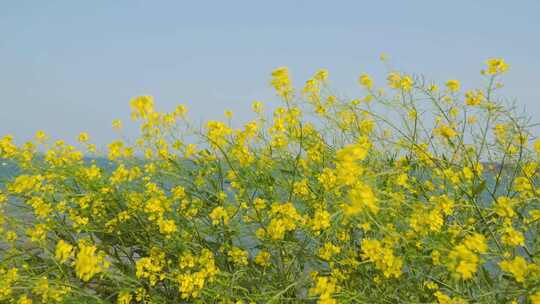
<point x="71" y="66"/>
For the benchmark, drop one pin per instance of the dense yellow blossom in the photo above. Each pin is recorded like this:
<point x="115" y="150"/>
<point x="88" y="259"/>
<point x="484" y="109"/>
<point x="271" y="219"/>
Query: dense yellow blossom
<point x="362" y="199"/>
<point x="366" y="81"/>
<point x="24" y="300"/>
<point x="142" y="107"/>
<point x="324" y="288"/>
<point x="512" y="237"/>
<point x="517" y="267"/>
<point x="281" y="82"/>
<point x="535" y="298"/>
<point x="382" y="256"/>
<point x="88" y="262"/>
<point x="8" y="278"/>
<point x="238" y="256"/>
<point x="199" y="273"/>
<point x="218" y="215"/>
<point x="320" y="221"/>
<point x="124" y="297"/>
<point x="328" y="250"/>
<point x="83" y="137"/>
<point x="474" y="98"/>
<point x="453" y="85"/>
<point x="64" y="251"/>
<point x="496" y="66"/>
<point x="504" y="207"/>
<point x="464" y="259"/>
<point x="397" y="81"/>
<point x="284" y="218"/>
<point x="263" y="258"/>
<point x="537" y="147"/>
<point x="405" y="193"/>
<point x="445" y="299"/>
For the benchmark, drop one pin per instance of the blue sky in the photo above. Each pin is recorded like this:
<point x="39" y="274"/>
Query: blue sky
<point x="71" y="66"/>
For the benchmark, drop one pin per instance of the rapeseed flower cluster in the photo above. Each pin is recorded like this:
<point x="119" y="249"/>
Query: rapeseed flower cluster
<point x="413" y="192"/>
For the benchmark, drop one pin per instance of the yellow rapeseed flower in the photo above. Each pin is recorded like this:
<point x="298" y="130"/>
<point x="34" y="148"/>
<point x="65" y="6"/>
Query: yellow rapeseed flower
<point x="83" y="137"/>
<point x="496" y="66"/>
<point x="535" y="298"/>
<point x="537" y="147"/>
<point x="262" y="258"/>
<point x="142" y="107"/>
<point x="281" y="82"/>
<point x="64" y="251"/>
<point x="124" y="297"/>
<point x="218" y="215"/>
<point x="88" y="262"/>
<point x="474" y="98"/>
<point x="453" y="85"/>
<point x="518" y="267"/>
<point x="366" y="81"/>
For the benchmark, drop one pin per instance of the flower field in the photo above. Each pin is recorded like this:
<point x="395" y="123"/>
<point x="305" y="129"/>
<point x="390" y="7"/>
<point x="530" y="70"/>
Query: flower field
<point x="414" y="192"/>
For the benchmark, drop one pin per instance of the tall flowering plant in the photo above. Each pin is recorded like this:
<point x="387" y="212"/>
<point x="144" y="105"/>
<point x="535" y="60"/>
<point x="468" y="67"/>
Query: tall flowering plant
<point x="323" y="200"/>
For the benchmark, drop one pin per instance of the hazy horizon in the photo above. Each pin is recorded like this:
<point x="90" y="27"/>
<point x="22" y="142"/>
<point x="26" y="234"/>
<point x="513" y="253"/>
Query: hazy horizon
<point x="68" y="67"/>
